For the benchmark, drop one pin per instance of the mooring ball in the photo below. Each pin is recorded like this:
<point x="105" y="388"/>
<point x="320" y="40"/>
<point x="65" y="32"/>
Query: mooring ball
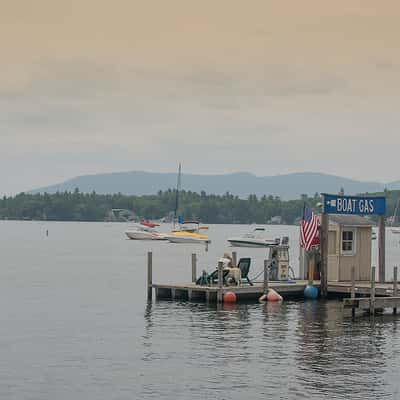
<point x="310" y="292"/>
<point x="263" y="298"/>
<point x="273" y="295"/>
<point x="229" y="297"/>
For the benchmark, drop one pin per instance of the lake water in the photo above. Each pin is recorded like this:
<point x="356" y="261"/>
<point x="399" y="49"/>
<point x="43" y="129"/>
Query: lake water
<point x="75" y="324"/>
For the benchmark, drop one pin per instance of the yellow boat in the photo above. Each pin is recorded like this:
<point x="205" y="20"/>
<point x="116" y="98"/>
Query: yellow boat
<point x="189" y="232"/>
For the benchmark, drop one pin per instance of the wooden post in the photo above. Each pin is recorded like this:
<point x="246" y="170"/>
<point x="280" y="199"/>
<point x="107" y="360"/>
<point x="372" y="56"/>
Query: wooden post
<point x="311" y="264"/>
<point x="381" y="249"/>
<point x="149" y="275"/>
<point x="353" y="288"/>
<point x="220" y="276"/>
<point x="266" y="275"/>
<point x="234" y="259"/>
<point x="194" y="273"/>
<point x="395" y="291"/>
<point x="324" y="254"/>
<point x="372" y="296"/>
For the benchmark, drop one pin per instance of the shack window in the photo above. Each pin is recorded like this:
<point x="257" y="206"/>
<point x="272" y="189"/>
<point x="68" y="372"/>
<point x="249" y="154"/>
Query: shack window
<point x="348" y="245"/>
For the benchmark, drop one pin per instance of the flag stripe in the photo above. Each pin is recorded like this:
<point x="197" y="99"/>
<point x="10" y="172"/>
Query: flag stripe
<point x="308" y="228"/>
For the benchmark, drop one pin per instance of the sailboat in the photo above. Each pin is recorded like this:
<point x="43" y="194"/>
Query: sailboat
<point x="394" y="229"/>
<point x="185" y="231"/>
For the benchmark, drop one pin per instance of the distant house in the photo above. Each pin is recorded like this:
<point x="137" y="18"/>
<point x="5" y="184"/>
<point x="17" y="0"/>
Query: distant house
<point x="277" y="220"/>
<point x="121" y="215"/>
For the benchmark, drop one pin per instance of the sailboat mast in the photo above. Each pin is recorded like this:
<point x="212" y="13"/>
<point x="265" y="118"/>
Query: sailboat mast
<point x="178" y="188"/>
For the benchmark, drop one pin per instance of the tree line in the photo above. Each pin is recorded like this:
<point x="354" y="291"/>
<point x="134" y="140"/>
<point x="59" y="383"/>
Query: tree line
<point x="208" y="208"/>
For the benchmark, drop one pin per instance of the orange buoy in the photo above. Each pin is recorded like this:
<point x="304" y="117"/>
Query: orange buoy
<point x="229" y="297"/>
<point x="272" y="295"/>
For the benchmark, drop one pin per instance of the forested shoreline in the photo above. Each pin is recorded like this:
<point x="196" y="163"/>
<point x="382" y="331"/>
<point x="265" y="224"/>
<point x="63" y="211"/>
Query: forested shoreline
<point x="208" y="208"/>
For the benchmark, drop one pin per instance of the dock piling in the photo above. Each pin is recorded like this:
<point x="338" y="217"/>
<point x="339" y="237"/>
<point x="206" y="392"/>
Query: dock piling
<point x="395" y="289"/>
<point x="372" y="296"/>
<point x="220" y="282"/>
<point x="266" y="276"/>
<point x="234" y="258"/>
<point x="194" y="267"/>
<point x="149" y="275"/>
<point x="353" y="289"/>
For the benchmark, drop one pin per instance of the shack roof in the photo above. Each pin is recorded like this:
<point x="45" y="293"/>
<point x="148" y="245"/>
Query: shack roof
<point x="350" y="220"/>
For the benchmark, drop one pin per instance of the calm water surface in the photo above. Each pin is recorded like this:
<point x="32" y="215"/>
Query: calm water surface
<point x="74" y="324"/>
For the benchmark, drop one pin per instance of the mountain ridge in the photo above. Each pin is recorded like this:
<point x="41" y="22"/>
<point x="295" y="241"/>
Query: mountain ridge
<point x="242" y="184"/>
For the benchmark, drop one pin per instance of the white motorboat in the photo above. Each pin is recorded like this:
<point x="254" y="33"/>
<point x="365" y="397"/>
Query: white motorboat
<point x="143" y="232"/>
<point x="256" y="238"/>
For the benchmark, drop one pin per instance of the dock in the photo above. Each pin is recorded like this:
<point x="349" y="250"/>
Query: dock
<point x="357" y="295"/>
<point x="291" y="289"/>
<point x="193" y="292"/>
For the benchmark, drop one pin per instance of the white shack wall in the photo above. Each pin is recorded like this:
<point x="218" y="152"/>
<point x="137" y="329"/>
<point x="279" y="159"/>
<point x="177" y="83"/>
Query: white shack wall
<point x="339" y="265"/>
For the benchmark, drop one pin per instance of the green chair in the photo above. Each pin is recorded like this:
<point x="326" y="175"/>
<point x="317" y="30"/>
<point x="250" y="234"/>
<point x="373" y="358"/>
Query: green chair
<point x="244" y="266"/>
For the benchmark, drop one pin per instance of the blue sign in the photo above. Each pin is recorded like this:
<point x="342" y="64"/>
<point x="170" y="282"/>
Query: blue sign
<point x="353" y="205"/>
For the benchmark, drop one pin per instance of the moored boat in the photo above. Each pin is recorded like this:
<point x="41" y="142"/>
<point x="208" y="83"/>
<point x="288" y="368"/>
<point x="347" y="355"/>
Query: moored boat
<point x="188" y="232"/>
<point x="256" y="238"/>
<point x="142" y="232"/>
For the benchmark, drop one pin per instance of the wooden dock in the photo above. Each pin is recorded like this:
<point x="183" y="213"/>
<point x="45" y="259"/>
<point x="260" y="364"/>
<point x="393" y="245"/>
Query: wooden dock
<point x="292" y="289"/>
<point x="193" y="292"/>
<point x="355" y="293"/>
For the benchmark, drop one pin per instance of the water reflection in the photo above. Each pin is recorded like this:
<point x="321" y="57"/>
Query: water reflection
<point x="275" y="350"/>
<point x="339" y="357"/>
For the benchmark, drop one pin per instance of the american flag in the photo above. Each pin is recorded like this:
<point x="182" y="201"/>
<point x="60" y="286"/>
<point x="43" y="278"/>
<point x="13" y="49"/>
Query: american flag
<point x="308" y="228"/>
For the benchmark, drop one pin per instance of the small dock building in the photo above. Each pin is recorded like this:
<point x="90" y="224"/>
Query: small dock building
<point x="349" y="245"/>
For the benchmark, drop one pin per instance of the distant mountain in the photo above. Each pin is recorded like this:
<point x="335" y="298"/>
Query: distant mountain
<point x="289" y="186"/>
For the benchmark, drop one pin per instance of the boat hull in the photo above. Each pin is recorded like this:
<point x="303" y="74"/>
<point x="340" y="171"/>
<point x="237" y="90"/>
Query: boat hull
<point x="190" y="238"/>
<point x="143" y="235"/>
<point x="250" y="243"/>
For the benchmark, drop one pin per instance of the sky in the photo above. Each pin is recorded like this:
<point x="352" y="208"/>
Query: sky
<point x="264" y="86"/>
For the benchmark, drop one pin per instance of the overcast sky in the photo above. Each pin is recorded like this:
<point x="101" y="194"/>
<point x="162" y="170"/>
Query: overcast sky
<point x="91" y="86"/>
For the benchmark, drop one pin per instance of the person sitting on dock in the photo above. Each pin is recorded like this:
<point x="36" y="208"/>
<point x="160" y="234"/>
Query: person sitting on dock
<point x="234" y="274"/>
<point x="226" y="261"/>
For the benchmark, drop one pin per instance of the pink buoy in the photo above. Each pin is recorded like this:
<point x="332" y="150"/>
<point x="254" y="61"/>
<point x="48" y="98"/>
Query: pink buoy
<point x="272" y="295"/>
<point x="263" y="298"/>
<point x="229" y="297"/>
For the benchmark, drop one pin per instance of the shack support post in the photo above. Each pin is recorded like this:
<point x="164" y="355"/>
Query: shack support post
<point x="220" y="277"/>
<point x="194" y="267"/>
<point x="149" y="275"/>
<point x="324" y="254"/>
<point x="381" y="247"/>
<point x="311" y="265"/>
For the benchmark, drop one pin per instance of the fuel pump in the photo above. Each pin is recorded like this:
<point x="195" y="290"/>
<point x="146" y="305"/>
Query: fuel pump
<point x="279" y="256"/>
